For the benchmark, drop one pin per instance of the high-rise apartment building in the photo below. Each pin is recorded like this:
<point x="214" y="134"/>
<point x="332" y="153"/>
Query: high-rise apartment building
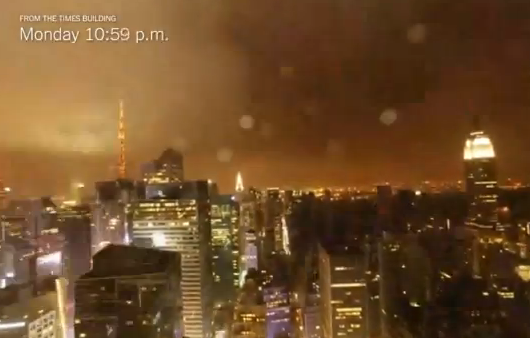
<point x="181" y="222"/>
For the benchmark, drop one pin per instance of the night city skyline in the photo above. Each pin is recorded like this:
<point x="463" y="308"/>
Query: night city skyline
<point x="315" y="100"/>
<point x="264" y="169"/>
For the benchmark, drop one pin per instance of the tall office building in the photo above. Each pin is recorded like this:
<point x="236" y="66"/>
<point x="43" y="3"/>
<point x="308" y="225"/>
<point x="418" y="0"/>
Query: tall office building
<point x="225" y="246"/>
<point x="274" y="223"/>
<point x="311" y="316"/>
<point x="250" y="212"/>
<point x="249" y="313"/>
<point x="74" y="223"/>
<point x="42" y="215"/>
<point x="249" y="252"/>
<point x="16" y="219"/>
<point x="167" y="169"/>
<point x="343" y="291"/>
<point x="481" y="179"/>
<point x="278" y="301"/>
<point x="181" y="222"/>
<point x="130" y="292"/>
<point x="111" y="225"/>
<point x="18" y="261"/>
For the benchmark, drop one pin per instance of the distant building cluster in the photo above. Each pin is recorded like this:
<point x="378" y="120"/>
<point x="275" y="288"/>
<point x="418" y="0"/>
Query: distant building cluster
<point x="166" y="256"/>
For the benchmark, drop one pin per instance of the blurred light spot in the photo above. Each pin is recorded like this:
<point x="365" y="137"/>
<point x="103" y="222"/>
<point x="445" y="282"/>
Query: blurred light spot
<point x="388" y="116"/>
<point x="246" y="122"/>
<point x="334" y="147"/>
<point x="224" y="155"/>
<point x="417" y="33"/>
<point x="286" y="71"/>
<point x="266" y="130"/>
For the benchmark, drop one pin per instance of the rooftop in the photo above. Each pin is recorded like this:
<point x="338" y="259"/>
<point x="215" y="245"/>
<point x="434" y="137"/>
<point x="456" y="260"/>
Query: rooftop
<point x="122" y="260"/>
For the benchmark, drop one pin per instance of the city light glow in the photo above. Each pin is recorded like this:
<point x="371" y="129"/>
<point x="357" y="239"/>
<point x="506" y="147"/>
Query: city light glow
<point x="50" y="258"/>
<point x="9" y="326"/>
<point x="159" y="239"/>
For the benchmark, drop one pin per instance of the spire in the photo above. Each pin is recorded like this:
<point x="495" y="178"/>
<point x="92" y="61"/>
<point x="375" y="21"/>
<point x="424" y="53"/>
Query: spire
<point x="476" y="123"/>
<point x="121" y="140"/>
<point x="239" y="183"/>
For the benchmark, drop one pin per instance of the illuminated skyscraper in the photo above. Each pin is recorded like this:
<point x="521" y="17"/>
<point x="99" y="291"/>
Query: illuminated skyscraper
<point x="481" y="179"/>
<point x="343" y="292"/>
<point x="181" y="223"/>
<point x="225" y="246"/>
<point x="167" y="168"/>
<point x="273" y="232"/>
<point x="165" y="172"/>
<point x="248" y="231"/>
<point x="110" y="223"/>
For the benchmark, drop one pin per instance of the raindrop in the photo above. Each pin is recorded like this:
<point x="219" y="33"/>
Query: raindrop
<point x="388" y="116"/>
<point x="224" y="155"/>
<point x="417" y="33"/>
<point x="246" y="122"/>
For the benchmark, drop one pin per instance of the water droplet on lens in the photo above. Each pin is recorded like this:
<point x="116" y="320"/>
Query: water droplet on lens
<point x="224" y="155"/>
<point x="417" y="33"/>
<point x="246" y="122"/>
<point x="388" y="116"/>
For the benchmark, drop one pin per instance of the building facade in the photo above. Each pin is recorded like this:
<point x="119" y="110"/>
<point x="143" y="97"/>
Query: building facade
<point x="481" y="180"/>
<point x="183" y="224"/>
<point x="34" y="309"/>
<point x="130" y="292"/>
<point x="225" y="247"/>
<point x="343" y="292"/>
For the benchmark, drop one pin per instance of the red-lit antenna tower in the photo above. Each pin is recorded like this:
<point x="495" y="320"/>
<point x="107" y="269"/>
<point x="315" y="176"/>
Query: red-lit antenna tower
<point x="121" y="138"/>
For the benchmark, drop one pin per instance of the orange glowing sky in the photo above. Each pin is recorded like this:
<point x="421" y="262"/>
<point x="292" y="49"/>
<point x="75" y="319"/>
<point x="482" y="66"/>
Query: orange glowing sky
<point x="315" y="75"/>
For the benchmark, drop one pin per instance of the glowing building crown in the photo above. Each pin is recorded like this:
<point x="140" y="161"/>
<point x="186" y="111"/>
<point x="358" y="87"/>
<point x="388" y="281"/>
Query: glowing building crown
<point x="478" y="146"/>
